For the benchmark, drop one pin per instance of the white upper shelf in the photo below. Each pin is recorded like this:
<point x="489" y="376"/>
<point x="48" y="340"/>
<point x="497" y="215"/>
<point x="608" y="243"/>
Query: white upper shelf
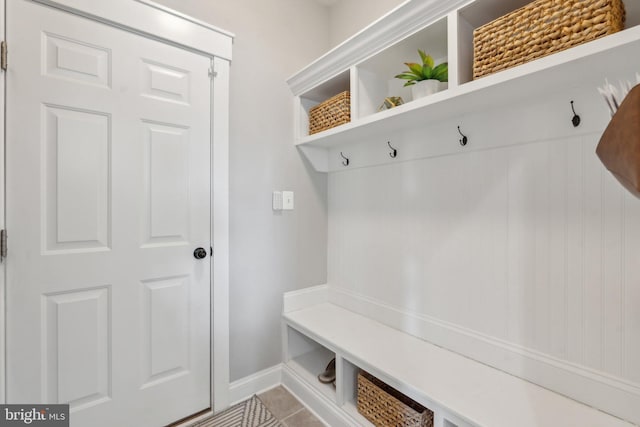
<point x="587" y="63"/>
<point x="583" y="65"/>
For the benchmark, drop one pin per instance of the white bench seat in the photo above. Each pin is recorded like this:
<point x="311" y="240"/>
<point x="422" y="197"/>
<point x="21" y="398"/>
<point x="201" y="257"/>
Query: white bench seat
<point x="476" y="393"/>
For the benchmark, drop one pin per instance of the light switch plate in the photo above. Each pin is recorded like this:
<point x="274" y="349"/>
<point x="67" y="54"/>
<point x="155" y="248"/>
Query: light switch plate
<point x="287" y="200"/>
<point x="277" y="200"/>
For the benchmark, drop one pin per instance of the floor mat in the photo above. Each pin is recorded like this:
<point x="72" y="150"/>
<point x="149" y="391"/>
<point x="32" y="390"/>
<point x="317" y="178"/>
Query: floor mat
<point x="250" y="413"/>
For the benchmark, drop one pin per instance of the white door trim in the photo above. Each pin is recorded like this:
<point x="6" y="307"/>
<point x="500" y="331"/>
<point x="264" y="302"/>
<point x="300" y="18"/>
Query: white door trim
<point x="220" y="234"/>
<point x="2" y="213"/>
<point x="152" y="21"/>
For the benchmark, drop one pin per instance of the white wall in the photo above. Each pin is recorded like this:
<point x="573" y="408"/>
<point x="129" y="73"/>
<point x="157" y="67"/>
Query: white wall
<point x="271" y="253"/>
<point x="347" y="17"/>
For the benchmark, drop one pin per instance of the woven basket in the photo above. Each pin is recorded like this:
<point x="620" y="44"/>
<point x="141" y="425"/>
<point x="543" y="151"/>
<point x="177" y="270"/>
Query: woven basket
<point x="333" y="112"/>
<point x="542" y="28"/>
<point x="384" y="406"/>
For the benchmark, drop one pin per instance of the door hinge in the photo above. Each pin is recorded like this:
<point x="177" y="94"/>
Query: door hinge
<point x="3" y="55"/>
<point x="213" y="73"/>
<point x="3" y="244"/>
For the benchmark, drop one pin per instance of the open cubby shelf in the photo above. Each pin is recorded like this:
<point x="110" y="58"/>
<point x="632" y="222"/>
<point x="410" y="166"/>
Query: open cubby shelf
<point x="308" y="358"/>
<point x="367" y="63"/>
<point x="308" y="354"/>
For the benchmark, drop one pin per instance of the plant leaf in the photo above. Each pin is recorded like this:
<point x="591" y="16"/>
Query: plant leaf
<point x="441" y="72"/>
<point x="423" y="56"/>
<point x="416" y="68"/>
<point x="426" y="59"/>
<point x="427" y="72"/>
<point x="406" y="76"/>
<point x="411" y="83"/>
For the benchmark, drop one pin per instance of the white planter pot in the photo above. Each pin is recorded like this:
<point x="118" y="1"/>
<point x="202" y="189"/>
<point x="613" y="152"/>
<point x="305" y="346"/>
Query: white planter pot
<point x="426" y="87"/>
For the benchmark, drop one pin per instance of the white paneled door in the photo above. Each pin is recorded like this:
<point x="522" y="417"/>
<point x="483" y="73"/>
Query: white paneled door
<point x="108" y="196"/>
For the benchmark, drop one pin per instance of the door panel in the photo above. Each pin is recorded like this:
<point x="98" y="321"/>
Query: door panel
<point x="166" y="162"/>
<point x="75" y="60"/>
<point x="166" y="343"/>
<point x="77" y="340"/>
<point x="76" y="149"/>
<point x="108" y="194"/>
<point x="163" y="82"/>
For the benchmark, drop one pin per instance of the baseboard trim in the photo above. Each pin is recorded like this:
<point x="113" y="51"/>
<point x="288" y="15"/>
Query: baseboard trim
<point x="607" y="393"/>
<point x="267" y="379"/>
<point x="259" y="382"/>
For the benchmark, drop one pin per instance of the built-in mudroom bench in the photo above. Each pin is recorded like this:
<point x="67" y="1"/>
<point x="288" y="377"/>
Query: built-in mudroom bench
<point x="481" y="260"/>
<point x="460" y="391"/>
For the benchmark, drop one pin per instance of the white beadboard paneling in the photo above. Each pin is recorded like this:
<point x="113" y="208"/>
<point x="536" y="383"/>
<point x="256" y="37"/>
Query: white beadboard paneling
<point x="477" y="256"/>
<point x="530" y="242"/>
<point x="522" y="260"/>
<point x="631" y="289"/>
<point x="407" y="252"/>
<point x="613" y="268"/>
<point x="593" y="257"/>
<point x="522" y="243"/>
<point x="575" y="249"/>
<point x="557" y="285"/>
<point x="540" y="247"/>
<point x="536" y="258"/>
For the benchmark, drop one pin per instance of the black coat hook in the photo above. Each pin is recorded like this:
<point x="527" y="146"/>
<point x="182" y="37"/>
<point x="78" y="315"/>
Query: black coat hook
<point x="576" y="118"/>
<point x="464" y="139"/>
<point x="393" y="152"/>
<point x="345" y="162"/>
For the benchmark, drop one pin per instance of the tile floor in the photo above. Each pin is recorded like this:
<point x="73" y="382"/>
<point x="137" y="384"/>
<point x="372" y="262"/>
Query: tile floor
<point x="286" y="408"/>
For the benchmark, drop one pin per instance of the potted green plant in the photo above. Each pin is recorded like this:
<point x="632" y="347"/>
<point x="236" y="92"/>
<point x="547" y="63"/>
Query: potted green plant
<point x="425" y="78"/>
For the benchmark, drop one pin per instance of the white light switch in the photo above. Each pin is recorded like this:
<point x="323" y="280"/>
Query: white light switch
<point x="277" y="200"/>
<point x="287" y="200"/>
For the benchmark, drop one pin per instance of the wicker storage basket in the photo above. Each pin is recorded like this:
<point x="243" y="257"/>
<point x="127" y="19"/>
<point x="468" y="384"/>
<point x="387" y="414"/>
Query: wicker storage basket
<point x="384" y="406"/>
<point x="333" y="112"/>
<point x="542" y="28"/>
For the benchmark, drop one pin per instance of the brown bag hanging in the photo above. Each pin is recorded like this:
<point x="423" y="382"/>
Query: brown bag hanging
<point x="619" y="147"/>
